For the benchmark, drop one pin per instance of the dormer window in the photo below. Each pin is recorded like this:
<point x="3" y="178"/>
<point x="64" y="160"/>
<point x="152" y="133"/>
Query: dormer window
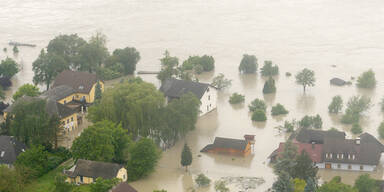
<point x="342" y="156"/>
<point x="208" y="89"/>
<point x="81" y="87"/>
<point x="353" y="157"/>
<point x="337" y="156"/>
<point x="349" y="156"/>
<point x="330" y="155"/>
<point x="2" y="154"/>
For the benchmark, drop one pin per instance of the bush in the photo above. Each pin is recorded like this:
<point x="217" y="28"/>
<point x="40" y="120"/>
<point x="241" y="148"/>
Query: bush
<point x="107" y="74"/>
<point x="350" y="118"/>
<point x="356" y="129"/>
<point x="336" y="104"/>
<point x="257" y="104"/>
<point x="381" y="130"/>
<point x="355" y="106"/>
<point x="103" y="185"/>
<point x="269" y="86"/>
<point x="202" y="180"/>
<point x="366" y="80"/>
<point x="288" y="127"/>
<point x="35" y="159"/>
<point x="199" y="64"/>
<point x="279" y="109"/>
<point x="268" y="69"/>
<point x="236" y="98"/>
<point x="259" y="115"/>
<point x="311" y="122"/>
<point x="248" y="64"/>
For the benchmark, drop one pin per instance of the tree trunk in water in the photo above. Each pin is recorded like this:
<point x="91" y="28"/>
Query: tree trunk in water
<point x="304" y="88"/>
<point x="186" y="168"/>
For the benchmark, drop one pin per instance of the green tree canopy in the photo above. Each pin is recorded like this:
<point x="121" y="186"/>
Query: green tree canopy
<point x="364" y="183"/>
<point x="8" y="68"/>
<point x="186" y="157"/>
<point x="304" y="167"/>
<point x="268" y="69"/>
<point x="335" y="185"/>
<point x="128" y="57"/>
<point x="279" y="109"/>
<point x="35" y="159"/>
<point x="220" y="82"/>
<point x="355" y="107"/>
<point x="259" y="115"/>
<point x="31" y="124"/>
<point x="236" y="98"/>
<point x="143" y="159"/>
<point x="306" y="78"/>
<point x="47" y="66"/>
<point x="202" y="180"/>
<point x="283" y="184"/>
<point x="286" y="162"/>
<point x="367" y="80"/>
<point x="169" y="66"/>
<point x="257" y="104"/>
<point x="336" y="105"/>
<point x="103" y="185"/>
<point x="26" y="89"/>
<point x="269" y="86"/>
<point x="68" y="48"/>
<point x="248" y="64"/>
<point x="134" y="104"/>
<point x="103" y="141"/>
<point x="199" y="63"/>
<point x="98" y="92"/>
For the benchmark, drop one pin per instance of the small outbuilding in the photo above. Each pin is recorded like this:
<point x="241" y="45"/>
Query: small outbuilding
<point x="337" y="82"/>
<point x="229" y="146"/>
<point x="10" y="148"/>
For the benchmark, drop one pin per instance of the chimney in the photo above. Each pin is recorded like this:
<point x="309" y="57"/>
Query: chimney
<point x="357" y="141"/>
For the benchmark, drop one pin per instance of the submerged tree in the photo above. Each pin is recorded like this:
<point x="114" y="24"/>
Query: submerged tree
<point x="168" y="67"/>
<point x="306" y="78"/>
<point x="248" y="64"/>
<point x="269" y="86"/>
<point x="355" y="107"/>
<point x="186" y="157"/>
<point x="8" y="68"/>
<point x="366" y="80"/>
<point x="220" y="82"/>
<point x="268" y="69"/>
<point x="336" y="105"/>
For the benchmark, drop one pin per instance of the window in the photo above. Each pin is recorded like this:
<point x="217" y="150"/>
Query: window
<point x="77" y="96"/>
<point x="337" y="156"/>
<point x="65" y="102"/>
<point x="338" y="166"/>
<point x="81" y="179"/>
<point x="342" y="156"/>
<point x="207" y="107"/>
<point x="361" y="167"/>
<point x="209" y="97"/>
<point x="330" y="155"/>
<point x="349" y="156"/>
<point x="71" y="118"/>
<point x="124" y="177"/>
<point x="353" y="156"/>
<point x="349" y="166"/>
<point x="327" y="155"/>
<point x="67" y="120"/>
<point x="208" y="89"/>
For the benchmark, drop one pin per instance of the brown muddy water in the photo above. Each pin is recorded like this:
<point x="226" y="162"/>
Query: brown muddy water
<point x="293" y="34"/>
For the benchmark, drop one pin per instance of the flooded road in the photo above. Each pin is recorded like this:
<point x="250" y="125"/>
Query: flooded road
<point x="293" y="34"/>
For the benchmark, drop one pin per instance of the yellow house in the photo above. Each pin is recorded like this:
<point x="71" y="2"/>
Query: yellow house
<point x="82" y="83"/>
<point x="86" y="172"/>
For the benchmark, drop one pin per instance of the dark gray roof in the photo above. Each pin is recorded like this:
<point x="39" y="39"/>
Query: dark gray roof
<point x="59" y="92"/>
<point x="227" y="143"/>
<point x="80" y="81"/>
<point x="123" y="187"/>
<point x="52" y="107"/>
<point x="337" y="81"/>
<point x="317" y="136"/>
<point x="175" y="88"/>
<point x="10" y="148"/>
<point x="94" y="169"/>
<point x="368" y="138"/>
<point x="367" y="151"/>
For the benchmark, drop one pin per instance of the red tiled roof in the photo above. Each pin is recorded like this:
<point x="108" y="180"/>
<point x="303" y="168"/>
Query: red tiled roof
<point x="314" y="150"/>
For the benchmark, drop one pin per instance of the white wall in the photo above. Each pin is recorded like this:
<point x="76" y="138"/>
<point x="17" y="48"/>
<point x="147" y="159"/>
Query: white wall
<point x="208" y="101"/>
<point x="344" y="166"/>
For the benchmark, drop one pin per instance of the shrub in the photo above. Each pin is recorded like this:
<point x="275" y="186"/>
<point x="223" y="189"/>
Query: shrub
<point x="259" y="115"/>
<point x="366" y="80"/>
<point x="248" y="64"/>
<point x="279" y="109"/>
<point x="288" y="127"/>
<point x="107" y="73"/>
<point x="356" y="129"/>
<point x="350" y="118"/>
<point x="236" y="98"/>
<point x="199" y="64"/>
<point x="269" y="86"/>
<point x="257" y="104"/>
<point x="381" y="130"/>
<point x="336" y="104"/>
<point x="202" y="180"/>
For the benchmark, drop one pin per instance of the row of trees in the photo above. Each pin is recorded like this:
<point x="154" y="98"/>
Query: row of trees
<point x="73" y="52"/>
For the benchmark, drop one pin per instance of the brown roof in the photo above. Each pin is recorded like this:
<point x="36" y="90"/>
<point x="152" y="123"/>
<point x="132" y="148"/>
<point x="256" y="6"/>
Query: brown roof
<point x="94" y="169"/>
<point x="123" y="187"/>
<point x="80" y="81"/>
<point x="227" y="143"/>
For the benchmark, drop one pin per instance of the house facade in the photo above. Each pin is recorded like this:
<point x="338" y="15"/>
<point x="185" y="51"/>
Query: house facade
<point x="207" y="94"/>
<point x="86" y="172"/>
<point x="331" y="150"/>
<point x="82" y="83"/>
<point x="229" y="146"/>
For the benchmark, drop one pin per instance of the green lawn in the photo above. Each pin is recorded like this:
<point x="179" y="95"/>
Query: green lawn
<point x="45" y="183"/>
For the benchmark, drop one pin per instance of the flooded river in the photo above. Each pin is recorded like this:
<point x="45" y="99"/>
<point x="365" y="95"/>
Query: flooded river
<point x="292" y="33"/>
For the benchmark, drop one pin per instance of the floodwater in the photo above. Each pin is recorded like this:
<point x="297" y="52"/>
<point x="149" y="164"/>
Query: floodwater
<point x="292" y="33"/>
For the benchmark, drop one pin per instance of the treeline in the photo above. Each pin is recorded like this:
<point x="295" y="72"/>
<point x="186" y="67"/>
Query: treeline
<point x="73" y="52"/>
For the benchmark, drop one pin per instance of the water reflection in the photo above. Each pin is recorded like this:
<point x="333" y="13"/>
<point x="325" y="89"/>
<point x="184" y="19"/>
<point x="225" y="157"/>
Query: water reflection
<point x="248" y="81"/>
<point x="269" y="98"/>
<point x="305" y="103"/>
<point x="229" y="160"/>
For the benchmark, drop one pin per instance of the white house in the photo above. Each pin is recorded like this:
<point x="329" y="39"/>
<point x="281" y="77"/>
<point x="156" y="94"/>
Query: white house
<point x="207" y="94"/>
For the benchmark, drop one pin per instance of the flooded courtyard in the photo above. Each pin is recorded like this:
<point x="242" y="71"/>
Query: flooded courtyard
<point x="294" y="34"/>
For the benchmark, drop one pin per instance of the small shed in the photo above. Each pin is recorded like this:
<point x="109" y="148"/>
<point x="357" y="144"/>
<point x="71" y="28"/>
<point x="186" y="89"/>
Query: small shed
<point x="337" y="82"/>
<point x="250" y="139"/>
